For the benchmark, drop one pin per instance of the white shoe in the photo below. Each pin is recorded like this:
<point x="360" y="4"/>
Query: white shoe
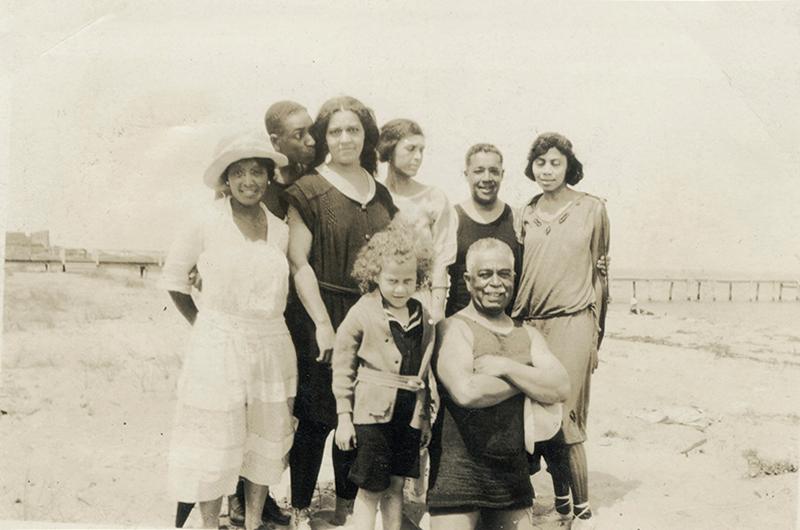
<point x="301" y="519"/>
<point x="583" y="524"/>
<point x="562" y="501"/>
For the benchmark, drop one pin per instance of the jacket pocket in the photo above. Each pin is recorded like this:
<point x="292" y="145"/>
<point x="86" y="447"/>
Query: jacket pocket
<point x="373" y="403"/>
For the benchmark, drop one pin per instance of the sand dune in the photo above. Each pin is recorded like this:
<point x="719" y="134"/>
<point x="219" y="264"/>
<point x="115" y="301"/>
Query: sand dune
<point x="694" y="418"/>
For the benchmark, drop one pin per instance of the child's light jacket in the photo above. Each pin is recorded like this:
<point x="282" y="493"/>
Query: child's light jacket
<point x="364" y="343"/>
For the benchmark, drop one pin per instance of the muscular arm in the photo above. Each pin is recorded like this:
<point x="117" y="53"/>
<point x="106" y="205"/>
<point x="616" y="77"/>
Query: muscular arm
<point x="547" y="380"/>
<point x="455" y="369"/>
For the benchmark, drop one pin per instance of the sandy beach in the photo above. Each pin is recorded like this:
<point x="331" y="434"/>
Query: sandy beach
<point x="694" y="421"/>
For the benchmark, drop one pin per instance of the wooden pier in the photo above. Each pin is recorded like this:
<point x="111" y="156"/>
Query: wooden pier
<point x="706" y="289"/>
<point x="100" y="260"/>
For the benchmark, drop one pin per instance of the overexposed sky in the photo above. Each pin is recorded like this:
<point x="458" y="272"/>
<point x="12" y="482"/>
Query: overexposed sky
<point x="686" y="116"/>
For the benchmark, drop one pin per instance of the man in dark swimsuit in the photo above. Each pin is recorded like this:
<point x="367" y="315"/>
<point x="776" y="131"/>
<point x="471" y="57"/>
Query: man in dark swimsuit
<point x="482" y="215"/>
<point x="488" y="365"/>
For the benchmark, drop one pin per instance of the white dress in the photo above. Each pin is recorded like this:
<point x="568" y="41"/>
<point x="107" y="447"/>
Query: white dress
<point x="239" y="377"/>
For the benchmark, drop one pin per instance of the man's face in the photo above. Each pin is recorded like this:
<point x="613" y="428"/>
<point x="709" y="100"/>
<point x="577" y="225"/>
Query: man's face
<point x="490" y="281"/>
<point x="484" y="174"/>
<point x="295" y="141"/>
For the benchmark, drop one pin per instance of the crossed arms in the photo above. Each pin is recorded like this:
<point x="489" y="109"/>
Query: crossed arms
<point x="491" y="379"/>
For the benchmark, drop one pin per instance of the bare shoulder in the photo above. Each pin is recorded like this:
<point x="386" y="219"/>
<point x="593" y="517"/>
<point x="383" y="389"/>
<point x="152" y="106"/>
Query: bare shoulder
<point x="453" y="328"/>
<point x="437" y="194"/>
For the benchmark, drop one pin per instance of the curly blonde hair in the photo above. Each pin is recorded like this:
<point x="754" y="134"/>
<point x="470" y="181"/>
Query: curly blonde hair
<point x="399" y="241"/>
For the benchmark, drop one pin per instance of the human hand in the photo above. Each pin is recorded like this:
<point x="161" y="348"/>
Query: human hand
<point x="325" y="338"/>
<point x="594" y="360"/>
<point x="345" y="436"/>
<point x="425" y="435"/>
<point x="603" y="263"/>
<point x="493" y="365"/>
<point x="415" y="384"/>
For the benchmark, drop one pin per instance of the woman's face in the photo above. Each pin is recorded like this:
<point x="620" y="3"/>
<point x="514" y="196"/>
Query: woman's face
<point x="408" y="153"/>
<point x="550" y="170"/>
<point x="345" y="137"/>
<point x="248" y="181"/>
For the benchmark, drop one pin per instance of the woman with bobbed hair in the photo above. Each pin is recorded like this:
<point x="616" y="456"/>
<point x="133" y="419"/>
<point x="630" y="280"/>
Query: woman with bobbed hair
<point x="333" y="211"/>
<point x="402" y="146"/>
<point x="563" y="292"/>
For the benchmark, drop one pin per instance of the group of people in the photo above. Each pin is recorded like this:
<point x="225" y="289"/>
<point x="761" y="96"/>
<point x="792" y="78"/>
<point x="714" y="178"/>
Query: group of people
<point x="332" y="301"/>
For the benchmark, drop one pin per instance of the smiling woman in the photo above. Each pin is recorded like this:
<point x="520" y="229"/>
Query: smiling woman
<point x="240" y="369"/>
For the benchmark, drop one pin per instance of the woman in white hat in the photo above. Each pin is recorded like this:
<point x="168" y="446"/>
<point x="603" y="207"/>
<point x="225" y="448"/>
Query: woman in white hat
<point x="237" y="387"/>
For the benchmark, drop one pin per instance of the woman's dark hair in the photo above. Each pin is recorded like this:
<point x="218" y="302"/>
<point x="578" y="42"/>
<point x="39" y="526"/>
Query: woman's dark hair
<point x="266" y="163"/>
<point x="543" y="143"/>
<point x="392" y="132"/>
<point x="369" y="156"/>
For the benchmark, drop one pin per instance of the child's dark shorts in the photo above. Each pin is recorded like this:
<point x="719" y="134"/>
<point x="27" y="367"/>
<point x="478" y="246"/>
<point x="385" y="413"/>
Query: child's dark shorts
<point x="385" y="449"/>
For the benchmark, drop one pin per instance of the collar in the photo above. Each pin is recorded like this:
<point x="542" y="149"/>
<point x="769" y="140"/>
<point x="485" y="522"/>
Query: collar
<point x="414" y="315"/>
<point x="344" y="186"/>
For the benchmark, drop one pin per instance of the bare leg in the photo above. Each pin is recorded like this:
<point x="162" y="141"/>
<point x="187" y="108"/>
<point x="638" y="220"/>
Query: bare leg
<point x="455" y="521"/>
<point x="209" y="511"/>
<point x="506" y="520"/>
<point x="365" y="509"/>
<point x="392" y="504"/>
<point x="254" y="497"/>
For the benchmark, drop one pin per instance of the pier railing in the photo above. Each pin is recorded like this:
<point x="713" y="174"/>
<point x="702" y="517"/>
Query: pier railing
<point x="704" y="289"/>
<point x="54" y="262"/>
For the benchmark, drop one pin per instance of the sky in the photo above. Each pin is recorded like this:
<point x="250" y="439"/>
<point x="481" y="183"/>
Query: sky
<point x="686" y="116"/>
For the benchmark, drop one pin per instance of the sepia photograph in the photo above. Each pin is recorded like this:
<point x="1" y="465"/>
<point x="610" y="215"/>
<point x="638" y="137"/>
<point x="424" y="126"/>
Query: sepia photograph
<point x="371" y="265"/>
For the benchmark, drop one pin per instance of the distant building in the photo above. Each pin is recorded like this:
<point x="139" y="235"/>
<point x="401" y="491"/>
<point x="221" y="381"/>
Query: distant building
<point x="22" y="246"/>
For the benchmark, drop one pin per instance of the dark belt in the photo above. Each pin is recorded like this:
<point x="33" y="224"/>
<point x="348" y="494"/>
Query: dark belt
<point x="338" y="289"/>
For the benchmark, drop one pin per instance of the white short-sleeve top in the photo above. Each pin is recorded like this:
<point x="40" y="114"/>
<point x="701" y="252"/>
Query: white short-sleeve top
<point x="239" y="276"/>
<point x="430" y="212"/>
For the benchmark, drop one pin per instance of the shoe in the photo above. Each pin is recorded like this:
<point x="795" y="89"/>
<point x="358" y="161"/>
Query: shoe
<point x="235" y="511"/>
<point x="563" y="506"/>
<point x="583" y="524"/>
<point x="343" y="510"/>
<point x="301" y="519"/>
<point x="273" y="513"/>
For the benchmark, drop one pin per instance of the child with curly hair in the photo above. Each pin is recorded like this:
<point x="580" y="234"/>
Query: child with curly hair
<point x="381" y="381"/>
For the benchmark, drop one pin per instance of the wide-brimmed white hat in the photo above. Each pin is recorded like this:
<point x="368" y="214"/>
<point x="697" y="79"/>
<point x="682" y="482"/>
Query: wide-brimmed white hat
<point x="240" y="147"/>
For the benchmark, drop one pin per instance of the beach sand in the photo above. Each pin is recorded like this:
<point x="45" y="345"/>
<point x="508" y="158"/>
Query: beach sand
<point x="694" y="419"/>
